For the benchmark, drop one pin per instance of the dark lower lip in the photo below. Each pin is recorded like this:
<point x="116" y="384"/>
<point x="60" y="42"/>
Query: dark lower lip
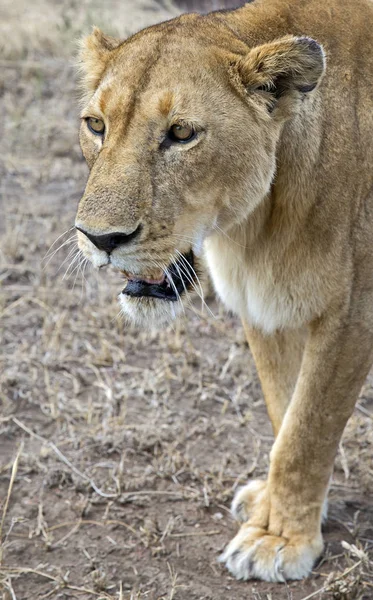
<point x="182" y="274"/>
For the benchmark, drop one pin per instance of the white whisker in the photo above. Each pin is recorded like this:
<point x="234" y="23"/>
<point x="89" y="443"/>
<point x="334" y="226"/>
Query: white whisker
<point x="164" y="269"/>
<point x="190" y="279"/>
<point x="77" y="268"/>
<point x="84" y="281"/>
<point x="184" y="238"/>
<point x="56" y="240"/>
<point x="72" y="263"/>
<point x="200" y="294"/>
<point x="71" y="252"/>
<point x="220" y="230"/>
<point x="71" y="240"/>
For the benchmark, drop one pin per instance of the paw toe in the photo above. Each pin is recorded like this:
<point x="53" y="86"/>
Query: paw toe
<point x="246" y="499"/>
<point x="250" y="557"/>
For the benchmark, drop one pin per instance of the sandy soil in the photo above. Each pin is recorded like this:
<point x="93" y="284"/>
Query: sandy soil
<point x="120" y="450"/>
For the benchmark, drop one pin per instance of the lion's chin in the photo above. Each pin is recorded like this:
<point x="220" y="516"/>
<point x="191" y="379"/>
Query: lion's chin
<point x="149" y="313"/>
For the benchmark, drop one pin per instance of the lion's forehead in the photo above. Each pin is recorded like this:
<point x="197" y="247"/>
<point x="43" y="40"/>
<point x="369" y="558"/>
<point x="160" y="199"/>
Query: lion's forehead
<point x="122" y="101"/>
<point x="172" y="64"/>
<point x="158" y="71"/>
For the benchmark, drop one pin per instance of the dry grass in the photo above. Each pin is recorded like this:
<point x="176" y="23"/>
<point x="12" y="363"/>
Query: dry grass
<point x="120" y="450"/>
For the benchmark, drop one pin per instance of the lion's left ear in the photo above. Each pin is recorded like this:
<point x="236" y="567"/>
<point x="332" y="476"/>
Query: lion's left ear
<point x="290" y="63"/>
<point x="95" y="51"/>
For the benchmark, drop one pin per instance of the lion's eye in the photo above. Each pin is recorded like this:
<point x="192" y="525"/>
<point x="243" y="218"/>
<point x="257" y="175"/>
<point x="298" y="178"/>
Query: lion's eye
<point x="97" y="126"/>
<point x="181" y="133"/>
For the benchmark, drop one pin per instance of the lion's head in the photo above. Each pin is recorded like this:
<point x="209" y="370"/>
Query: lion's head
<point x="179" y="129"/>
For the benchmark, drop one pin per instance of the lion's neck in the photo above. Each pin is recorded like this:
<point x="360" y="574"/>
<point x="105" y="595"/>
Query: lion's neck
<point x="254" y="263"/>
<point x="295" y="186"/>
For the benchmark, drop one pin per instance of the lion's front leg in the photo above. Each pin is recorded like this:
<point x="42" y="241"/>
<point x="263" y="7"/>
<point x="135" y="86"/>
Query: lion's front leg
<point x="282" y="537"/>
<point x="277" y="357"/>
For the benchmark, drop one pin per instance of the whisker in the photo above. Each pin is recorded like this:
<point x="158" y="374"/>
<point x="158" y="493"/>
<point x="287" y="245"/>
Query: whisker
<point x="187" y="267"/>
<point x="71" y="252"/>
<point x="77" y="261"/>
<point x="77" y="268"/>
<point x="164" y="269"/>
<point x="190" y="279"/>
<point x="169" y="277"/>
<point x="201" y="294"/>
<point x="185" y="273"/>
<point x="85" y="264"/>
<point x="84" y="281"/>
<point x="56" y="240"/>
<point x="220" y="230"/>
<point x="183" y="238"/>
<point x="72" y="263"/>
<point x="185" y="287"/>
<point x="71" y="240"/>
<point x="119" y="316"/>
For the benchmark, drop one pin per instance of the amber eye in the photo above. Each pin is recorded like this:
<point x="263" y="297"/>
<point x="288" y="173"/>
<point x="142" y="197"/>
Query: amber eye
<point x="181" y="133"/>
<point x="97" y="126"/>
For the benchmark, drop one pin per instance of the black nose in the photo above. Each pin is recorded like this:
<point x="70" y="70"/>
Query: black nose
<point x="109" y="241"/>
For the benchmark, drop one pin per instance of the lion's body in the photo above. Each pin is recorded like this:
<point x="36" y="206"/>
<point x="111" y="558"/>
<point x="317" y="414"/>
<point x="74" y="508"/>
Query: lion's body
<point x="278" y="184"/>
<point x="289" y="269"/>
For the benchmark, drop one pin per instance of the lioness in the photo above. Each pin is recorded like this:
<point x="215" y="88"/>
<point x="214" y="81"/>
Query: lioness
<point x="248" y="133"/>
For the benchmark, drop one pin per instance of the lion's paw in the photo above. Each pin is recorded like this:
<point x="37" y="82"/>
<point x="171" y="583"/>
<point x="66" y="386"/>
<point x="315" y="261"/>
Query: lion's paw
<point x="247" y="499"/>
<point x="256" y="554"/>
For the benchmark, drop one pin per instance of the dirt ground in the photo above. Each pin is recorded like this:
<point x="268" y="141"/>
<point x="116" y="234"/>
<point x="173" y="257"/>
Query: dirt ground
<point x="120" y="450"/>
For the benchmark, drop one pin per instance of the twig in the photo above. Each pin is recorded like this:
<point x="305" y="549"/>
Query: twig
<point x="363" y="410"/>
<point x="11" y="482"/>
<point x="341" y="576"/>
<point x="9" y="587"/>
<point x="194" y="534"/>
<point x="174" y="585"/>
<point x="63" y="458"/>
<point x="179" y="495"/>
<point x="155" y="493"/>
<point x="68" y="534"/>
<point x="61" y="582"/>
<point x="91" y="522"/>
<point x="315" y="593"/>
<point x="22" y="300"/>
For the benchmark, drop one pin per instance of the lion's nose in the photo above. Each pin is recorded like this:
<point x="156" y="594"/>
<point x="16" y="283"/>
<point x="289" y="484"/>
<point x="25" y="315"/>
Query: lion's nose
<point x="109" y="241"/>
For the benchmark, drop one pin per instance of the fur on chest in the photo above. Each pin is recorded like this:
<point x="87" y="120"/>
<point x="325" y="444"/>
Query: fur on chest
<point x="261" y="291"/>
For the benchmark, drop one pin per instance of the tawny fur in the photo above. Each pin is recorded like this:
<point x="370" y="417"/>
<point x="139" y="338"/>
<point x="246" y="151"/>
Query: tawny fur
<point x="279" y="187"/>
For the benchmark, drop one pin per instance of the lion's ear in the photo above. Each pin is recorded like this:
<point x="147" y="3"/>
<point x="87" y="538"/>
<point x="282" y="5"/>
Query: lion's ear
<point x="94" y="54"/>
<point x="288" y="64"/>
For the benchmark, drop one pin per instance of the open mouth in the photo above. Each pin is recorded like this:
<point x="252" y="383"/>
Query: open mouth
<point x="178" y="278"/>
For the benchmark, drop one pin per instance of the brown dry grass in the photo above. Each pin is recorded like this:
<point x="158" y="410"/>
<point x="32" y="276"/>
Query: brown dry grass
<point x="120" y="450"/>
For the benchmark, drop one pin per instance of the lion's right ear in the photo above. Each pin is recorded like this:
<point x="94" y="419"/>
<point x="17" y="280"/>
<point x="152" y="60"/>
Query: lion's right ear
<point x="93" y="58"/>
